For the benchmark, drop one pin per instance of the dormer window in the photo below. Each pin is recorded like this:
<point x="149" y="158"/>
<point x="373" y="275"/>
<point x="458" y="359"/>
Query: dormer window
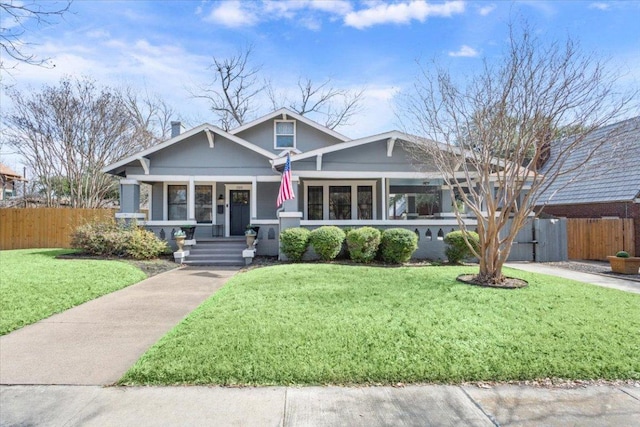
<point x="285" y="134"/>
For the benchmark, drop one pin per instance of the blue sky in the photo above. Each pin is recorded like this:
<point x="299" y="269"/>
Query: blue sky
<point x="165" y="47"/>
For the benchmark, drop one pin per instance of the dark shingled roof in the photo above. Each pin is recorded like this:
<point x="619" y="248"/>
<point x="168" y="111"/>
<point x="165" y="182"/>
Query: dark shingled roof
<point x="611" y="175"/>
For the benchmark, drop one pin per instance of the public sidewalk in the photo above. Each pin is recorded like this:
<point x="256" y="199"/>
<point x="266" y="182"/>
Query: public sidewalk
<point x="595" y="279"/>
<point x="319" y="406"/>
<point x="96" y="342"/>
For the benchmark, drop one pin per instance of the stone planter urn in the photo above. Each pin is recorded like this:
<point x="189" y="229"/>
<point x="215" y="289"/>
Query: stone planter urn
<point x="180" y="242"/>
<point x="251" y="238"/>
<point x="624" y="265"/>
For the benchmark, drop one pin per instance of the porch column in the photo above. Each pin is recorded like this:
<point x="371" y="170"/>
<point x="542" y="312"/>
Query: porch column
<point x="447" y="203"/>
<point x="254" y="198"/>
<point x="129" y="200"/>
<point x="191" y="200"/>
<point x="385" y="205"/>
<point x="292" y="204"/>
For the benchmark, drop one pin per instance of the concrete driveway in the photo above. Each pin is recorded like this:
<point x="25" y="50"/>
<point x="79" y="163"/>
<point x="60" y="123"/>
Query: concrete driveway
<point x="96" y="342"/>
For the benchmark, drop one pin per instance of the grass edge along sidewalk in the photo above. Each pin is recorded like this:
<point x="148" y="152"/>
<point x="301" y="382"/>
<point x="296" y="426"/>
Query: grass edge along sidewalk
<point x="35" y="285"/>
<point x="339" y="324"/>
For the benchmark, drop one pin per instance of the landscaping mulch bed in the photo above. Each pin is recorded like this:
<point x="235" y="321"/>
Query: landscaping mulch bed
<point x="509" y="282"/>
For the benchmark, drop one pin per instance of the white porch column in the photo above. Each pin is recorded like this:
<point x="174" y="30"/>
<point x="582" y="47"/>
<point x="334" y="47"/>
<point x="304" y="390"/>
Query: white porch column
<point x="385" y="205"/>
<point x="191" y="200"/>
<point x="254" y="198"/>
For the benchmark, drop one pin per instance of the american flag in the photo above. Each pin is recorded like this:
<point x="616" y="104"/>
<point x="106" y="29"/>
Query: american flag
<point x="286" y="189"/>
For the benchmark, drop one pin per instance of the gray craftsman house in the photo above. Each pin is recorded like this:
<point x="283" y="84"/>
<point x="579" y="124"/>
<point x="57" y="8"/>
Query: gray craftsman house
<point x="223" y="181"/>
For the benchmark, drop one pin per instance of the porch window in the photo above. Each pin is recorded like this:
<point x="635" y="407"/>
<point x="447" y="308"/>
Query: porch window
<point x="340" y="202"/>
<point x="204" y="204"/>
<point x="314" y="204"/>
<point x="285" y="134"/>
<point x="365" y="202"/>
<point x="177" y="201"/>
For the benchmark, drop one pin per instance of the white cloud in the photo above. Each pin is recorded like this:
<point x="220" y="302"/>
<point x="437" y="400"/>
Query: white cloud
<point x="98" y="34"/>
<point x="465" y="51"/>
<point x="599" y="6"/>
<point x="233" y="14"/>
<point x="401" y="13"/>
<point x="338" y="7"/>
<point x="485" y="10"/>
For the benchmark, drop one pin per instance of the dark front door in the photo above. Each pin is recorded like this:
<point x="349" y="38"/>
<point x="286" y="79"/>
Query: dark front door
<point x="239" y="211"/>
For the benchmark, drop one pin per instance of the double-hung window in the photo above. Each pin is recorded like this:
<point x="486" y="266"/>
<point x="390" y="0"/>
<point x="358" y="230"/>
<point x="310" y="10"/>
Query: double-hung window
<point x="177" y="201"/>
<point x="285" y="134"/>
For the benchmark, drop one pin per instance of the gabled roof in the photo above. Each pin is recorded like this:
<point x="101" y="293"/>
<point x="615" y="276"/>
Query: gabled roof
<point x="394" y="135"/>
<point x="611" y="175"/>
<point x="290" y="115"/>
<point x="202" y="128"/>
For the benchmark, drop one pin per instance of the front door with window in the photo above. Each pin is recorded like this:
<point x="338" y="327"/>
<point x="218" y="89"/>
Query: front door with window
<point x="239" y="211"/>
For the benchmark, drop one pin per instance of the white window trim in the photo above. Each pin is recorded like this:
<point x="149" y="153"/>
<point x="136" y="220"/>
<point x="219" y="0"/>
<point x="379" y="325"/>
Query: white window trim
<point x="275" y="134"/>
<point x="165" y="198"/>
<point x="354" y="197"/>
<point x="212" y="184"/>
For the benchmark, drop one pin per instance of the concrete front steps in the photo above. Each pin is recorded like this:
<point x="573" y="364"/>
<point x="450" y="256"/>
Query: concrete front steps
<point x="217" y="251"/>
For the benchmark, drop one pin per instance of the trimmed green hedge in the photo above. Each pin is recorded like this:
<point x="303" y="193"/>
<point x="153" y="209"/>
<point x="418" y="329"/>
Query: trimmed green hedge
<point x="294" y="242"/>
<point x="457" y="249"/>
<point x="327" y="241"/>
<point x="363" y="244"/>
<point x="397" y="245"/>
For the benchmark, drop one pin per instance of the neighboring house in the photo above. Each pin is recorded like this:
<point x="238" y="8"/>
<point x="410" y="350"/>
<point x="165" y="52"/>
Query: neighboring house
<point x="607" y="185"/>
<point x="223" y="181"/>
<point x="8" y="180"/>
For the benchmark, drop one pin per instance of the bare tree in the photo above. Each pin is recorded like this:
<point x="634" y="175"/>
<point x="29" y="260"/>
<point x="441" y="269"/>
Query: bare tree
<point x="151" y="114"/>
<point x="233" y="90"/>
<point x="334" y="107"/>
<point x="69" y="132"/>
<point x="15" y="15"/>
<point x="495" y="130"/>
<point x="238" y="86"/>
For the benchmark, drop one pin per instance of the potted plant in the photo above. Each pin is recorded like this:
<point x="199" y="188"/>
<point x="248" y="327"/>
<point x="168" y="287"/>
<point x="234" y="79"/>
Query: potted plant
<point x="622" y="263"/>
<point x="255" y="228"/>
<point x="189" y="230"/>
<point x="180" y="237"/>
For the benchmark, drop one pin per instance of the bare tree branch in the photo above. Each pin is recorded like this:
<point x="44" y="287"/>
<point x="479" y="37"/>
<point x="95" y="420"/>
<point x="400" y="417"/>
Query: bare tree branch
<point x="334" y="107"/>
<point x="233" y="89"/>
<point x="237" y="87"/>
<point x="14" y="17"/>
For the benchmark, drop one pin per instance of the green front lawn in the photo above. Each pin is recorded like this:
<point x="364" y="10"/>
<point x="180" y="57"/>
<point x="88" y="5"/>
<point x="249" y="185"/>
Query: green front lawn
<point x="338" y="324"/>
<point x="34" y="284"/>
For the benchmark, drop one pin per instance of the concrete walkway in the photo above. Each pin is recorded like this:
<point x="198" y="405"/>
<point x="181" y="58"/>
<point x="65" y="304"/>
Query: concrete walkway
<point x="595" y="279"/>
<point x="319" y="406"/>
<point x="96" y="342"/>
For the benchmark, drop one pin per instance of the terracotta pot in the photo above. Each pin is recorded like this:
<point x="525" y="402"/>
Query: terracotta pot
<point x="620" y="265"/>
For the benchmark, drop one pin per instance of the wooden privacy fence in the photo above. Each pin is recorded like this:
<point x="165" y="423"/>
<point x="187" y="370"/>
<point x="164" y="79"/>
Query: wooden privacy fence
<point x="44" y="227"/>
<point x="596" y="238"/>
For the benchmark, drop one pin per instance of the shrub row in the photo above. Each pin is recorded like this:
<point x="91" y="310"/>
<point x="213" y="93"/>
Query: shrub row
<point x="111" y="238"/>
<point x="394" y="245"/>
